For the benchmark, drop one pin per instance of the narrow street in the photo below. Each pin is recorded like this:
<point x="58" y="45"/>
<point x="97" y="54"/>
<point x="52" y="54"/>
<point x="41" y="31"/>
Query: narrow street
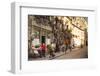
<point x="49" y="36"/>
<point x="76" y="53"/>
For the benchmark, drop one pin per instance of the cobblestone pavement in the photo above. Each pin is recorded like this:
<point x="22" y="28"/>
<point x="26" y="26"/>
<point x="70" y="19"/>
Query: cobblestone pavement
<point x="76" y="53"/>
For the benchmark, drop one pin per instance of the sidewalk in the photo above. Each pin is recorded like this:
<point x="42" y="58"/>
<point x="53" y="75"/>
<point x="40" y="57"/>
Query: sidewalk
<point x="57" y="55"/>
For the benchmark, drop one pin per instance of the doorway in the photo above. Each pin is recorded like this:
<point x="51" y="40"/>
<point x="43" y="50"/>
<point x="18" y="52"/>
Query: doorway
<point x="43" y="39"/>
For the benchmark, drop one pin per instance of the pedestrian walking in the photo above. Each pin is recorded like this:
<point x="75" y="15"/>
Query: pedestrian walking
<point x="50" y="51"/>
<point x="69" y="45"/>
<point x="63" y="48"/>
<point x="43" y="48"/>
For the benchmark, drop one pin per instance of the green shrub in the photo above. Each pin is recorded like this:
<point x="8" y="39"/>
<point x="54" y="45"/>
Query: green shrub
<point x="37" y="46"/>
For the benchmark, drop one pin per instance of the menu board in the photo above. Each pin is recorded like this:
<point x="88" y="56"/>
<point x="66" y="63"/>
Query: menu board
<point x="48" y="41"/>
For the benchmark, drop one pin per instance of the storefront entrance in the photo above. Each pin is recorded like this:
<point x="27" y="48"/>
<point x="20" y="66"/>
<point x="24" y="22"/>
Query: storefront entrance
<point x="43" y="39"/>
